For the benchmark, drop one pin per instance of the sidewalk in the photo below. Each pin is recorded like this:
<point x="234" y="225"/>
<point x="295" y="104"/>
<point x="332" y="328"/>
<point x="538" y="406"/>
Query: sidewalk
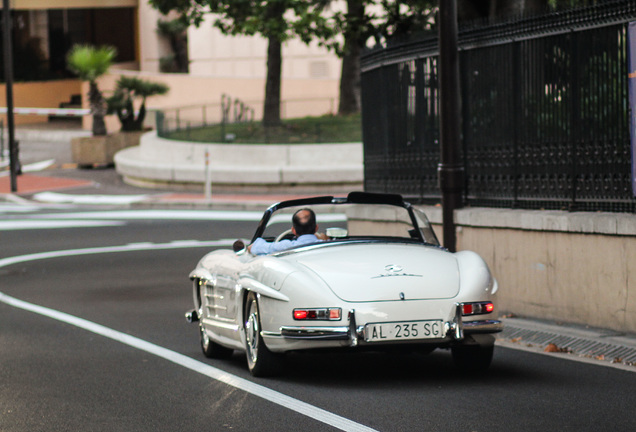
<point x="49" y="175"/>
<point x="74" y="186"/>
<point x="62" y="182"/>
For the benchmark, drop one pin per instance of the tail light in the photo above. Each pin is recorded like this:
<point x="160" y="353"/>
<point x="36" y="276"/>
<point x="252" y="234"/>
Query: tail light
<point x="477" y="308"/>
<point x="318" y="314"/>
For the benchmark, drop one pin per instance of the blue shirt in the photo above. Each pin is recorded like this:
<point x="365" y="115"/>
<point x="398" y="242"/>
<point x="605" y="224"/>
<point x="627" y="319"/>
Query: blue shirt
<point x="263" y="247"/>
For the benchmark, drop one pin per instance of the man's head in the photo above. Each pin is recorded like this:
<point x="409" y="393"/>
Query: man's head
<point x="304" y="222"/>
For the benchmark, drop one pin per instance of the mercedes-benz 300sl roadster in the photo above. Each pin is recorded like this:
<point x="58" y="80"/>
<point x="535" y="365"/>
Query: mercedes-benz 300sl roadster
<point x="377" y="279"/>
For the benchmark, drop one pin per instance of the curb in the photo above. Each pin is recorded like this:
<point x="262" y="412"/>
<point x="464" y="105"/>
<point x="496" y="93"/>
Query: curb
<point x="598" y="345"/>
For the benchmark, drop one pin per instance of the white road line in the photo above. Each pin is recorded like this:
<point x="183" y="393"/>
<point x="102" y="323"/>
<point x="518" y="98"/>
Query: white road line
<point x="172" y="356"/>
<point x="54" y="197"/>
<point x="108" y="249"/>
<point x="211" y="215"/>
<point x="19" y="224"/>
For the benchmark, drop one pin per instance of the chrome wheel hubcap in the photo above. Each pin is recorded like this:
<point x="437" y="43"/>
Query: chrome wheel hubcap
<point x="251" y="333"/>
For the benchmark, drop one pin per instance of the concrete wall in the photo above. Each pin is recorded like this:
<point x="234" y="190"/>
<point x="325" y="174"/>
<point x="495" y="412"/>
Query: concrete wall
<point x="300" y="97"/>
<point x="571" y="267"/>
<point x="213" y="54"/>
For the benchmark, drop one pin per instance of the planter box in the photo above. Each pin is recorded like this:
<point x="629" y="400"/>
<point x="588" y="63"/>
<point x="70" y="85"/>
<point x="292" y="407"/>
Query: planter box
<point x="93" y="151"/>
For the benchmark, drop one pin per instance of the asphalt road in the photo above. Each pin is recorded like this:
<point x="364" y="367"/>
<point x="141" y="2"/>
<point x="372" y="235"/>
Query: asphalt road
<point x="57" y="373"/>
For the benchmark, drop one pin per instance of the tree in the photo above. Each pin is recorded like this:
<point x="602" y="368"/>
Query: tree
<point x="175" y="31"/>
<point x="361" y="21"/>
<point x="122" y="101"/>
<point x="89" y="63"/>
<point x="273" y="19"/>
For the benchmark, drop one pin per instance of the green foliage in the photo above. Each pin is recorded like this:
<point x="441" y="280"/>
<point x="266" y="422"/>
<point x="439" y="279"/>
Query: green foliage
<point x="175" y="31"/>
<point x="122" y="102"/>
<point x="173" y="27"/>
<point x="323" y="129"/>
<point x="90" y="62"/>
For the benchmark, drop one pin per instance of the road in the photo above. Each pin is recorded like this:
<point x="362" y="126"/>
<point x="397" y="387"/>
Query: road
<point x="132" y="363"/>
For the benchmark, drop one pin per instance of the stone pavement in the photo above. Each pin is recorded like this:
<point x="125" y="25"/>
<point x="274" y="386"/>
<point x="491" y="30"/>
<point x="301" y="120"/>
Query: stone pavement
<point x="50" y="176"/>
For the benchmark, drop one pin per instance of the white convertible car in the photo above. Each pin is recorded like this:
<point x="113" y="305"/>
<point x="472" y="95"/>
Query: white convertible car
<point x="379" y="281"/>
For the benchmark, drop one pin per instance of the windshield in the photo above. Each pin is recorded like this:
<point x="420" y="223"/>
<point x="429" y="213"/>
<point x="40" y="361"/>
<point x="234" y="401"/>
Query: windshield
<point x="351" y="221"/>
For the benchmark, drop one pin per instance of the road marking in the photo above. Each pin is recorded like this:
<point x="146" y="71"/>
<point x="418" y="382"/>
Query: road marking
<point x="11" y="225"/>
<point x="113" y="218"/>
<point x="258" y="390"/>
<point x="211" y="215"/>
<point x="54" y="197"/>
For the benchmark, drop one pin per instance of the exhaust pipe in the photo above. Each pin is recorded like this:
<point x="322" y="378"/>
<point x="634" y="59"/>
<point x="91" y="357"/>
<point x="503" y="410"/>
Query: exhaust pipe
<point x="192" y="316"/>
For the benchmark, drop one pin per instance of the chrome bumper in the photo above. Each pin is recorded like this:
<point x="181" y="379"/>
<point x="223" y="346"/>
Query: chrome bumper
<point x="483" y="326"/>
<point x="328" y="333"/>
<point x="454" y="330"/>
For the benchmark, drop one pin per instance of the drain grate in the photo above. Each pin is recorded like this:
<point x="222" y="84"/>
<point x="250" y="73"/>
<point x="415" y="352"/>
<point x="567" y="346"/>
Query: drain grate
<point x="601" y="345"/>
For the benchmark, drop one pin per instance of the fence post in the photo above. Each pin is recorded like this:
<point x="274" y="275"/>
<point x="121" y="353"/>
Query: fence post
<point x="2" y="139"/>
<point x="450" y="169"/>
<point x="517" y="110"/>
<point x="208" y="176"/>
<point x="159" y="119"/>
<point x="575" y="114"/>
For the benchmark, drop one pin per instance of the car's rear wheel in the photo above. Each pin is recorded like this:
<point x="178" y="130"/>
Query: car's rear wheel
<point x="212" y="349"/>
<point x="260" y="360"/>
<point x="472" y="358"/>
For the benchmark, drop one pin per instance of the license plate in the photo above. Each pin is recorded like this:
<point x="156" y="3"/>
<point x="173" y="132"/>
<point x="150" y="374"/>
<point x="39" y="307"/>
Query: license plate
<point x="407" y="330"/>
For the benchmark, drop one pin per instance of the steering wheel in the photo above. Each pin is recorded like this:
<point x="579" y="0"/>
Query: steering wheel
<point x="282" y="235"/>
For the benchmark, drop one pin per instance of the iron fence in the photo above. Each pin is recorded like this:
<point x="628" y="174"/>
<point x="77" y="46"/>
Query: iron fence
<point x="545" y="113"/>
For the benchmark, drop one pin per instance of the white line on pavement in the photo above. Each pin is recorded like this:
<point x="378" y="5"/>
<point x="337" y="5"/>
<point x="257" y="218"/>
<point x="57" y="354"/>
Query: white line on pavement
<point x="211" y="215"/>
<point x="172" y="356"/>
<point x="11" y="225"/>
<point x="54" y="197"/>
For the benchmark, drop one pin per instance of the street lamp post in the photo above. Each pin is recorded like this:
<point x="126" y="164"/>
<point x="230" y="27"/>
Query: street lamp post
<point x="8" y="79"/>
<point x="451" y="167"/>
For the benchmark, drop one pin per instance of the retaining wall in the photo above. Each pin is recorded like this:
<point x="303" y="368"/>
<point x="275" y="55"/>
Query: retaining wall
<point x="570" y="267"/>
<point x="302" y="168"/>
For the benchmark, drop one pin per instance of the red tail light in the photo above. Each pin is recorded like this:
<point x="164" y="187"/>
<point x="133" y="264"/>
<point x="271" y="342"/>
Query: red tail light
<point x="318" y="314"/>
<point x="300" y="314"/>
<point x="467" y="309"/>
<point x="477" y="308"/>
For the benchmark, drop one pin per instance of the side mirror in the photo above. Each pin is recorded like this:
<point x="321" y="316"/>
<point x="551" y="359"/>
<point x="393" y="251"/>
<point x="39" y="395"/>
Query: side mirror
<point x="238" y="246"/>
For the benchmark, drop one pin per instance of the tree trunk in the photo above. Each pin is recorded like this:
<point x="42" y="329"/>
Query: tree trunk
<point x="98" y="109"/>
<point x="350" y="81"/>
<point x="271" y="108"/>
<point x="350" y="73"/>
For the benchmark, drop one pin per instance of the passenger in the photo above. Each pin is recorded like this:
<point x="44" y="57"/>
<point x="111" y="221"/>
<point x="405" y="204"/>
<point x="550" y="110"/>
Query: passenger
<point x="304" y="227"/>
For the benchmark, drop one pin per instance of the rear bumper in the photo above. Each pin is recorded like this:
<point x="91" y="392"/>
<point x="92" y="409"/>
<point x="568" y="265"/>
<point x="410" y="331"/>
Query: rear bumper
<point x="454" y="330"/>
<point x="483" y="326"/>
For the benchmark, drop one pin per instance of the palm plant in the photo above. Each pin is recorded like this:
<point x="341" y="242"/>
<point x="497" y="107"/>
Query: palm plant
<point x="122" y="102"/>
<point x="89" y="63"/>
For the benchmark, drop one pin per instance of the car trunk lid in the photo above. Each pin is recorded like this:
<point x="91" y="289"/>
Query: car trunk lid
<point x="384" y="271"/>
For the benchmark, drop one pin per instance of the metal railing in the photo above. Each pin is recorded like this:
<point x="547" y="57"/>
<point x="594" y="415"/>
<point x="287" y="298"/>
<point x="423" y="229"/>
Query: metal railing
<point x="544" y="109"/>
<point x="230" y="111"/>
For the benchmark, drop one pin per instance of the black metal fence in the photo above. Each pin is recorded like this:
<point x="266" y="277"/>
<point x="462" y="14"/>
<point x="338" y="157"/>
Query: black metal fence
<point x="545" y="113"/>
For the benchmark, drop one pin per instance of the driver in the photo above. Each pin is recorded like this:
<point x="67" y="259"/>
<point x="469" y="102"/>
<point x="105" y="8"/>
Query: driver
<point x="303" y="227"/>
